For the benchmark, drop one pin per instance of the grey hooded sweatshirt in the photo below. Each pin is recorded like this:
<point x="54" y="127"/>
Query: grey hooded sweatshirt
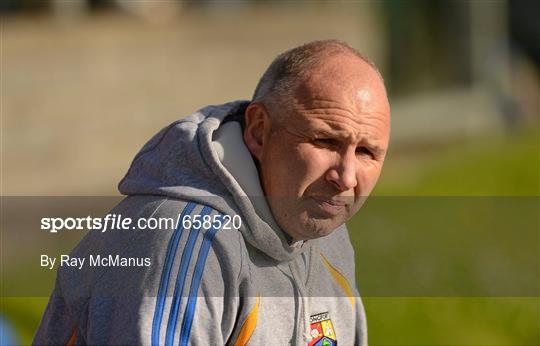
<point x="234" y="279"/>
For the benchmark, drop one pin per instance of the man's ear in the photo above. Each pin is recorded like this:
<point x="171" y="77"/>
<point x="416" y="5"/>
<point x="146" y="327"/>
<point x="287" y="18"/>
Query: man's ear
<point x="257" y="122"/>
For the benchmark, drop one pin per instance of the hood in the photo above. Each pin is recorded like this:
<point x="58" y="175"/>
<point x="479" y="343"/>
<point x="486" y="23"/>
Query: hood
<point x="202" y="159"/>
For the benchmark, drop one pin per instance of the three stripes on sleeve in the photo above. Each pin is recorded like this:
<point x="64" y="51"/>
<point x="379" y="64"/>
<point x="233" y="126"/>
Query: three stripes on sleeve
<point x="182" y="306"/>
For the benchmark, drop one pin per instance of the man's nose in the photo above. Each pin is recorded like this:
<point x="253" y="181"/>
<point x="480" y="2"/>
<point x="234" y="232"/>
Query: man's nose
<point x="343" y="174"/>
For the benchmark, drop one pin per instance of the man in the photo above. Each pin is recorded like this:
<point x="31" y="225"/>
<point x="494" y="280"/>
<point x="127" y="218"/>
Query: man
<point x="274" y="181"/>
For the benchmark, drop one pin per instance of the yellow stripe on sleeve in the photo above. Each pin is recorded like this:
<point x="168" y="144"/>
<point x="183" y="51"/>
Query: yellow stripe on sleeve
<point x="340" y="279"/>
<point x="73" y="338"/>
<point x="249" y="325"/>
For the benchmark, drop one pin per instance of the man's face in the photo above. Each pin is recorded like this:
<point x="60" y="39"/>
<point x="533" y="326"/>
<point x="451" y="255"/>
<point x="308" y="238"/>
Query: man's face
<point x="320" y="162"/>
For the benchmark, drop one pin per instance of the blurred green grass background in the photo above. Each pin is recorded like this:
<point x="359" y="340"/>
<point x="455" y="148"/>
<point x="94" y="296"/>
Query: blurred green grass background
<point x="483" y="165"/>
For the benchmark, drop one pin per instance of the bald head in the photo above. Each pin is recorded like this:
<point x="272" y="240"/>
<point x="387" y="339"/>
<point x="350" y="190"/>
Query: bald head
<point x="293" y="67"/>
<point x="341" y="79"/>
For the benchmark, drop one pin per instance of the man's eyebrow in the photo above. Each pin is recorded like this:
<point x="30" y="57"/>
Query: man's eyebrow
<point x="340" y="134"/>
<point x="372" y="145"/>
<point x="325" y="133"/>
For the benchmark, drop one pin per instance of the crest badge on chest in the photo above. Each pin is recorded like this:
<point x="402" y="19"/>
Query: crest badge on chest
<point x="322" y="330"/>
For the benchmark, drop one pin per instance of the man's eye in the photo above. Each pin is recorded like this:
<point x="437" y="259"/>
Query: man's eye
<point x="364" y="151"/>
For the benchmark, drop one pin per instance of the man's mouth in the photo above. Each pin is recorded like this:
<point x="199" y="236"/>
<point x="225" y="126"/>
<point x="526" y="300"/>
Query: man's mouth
<point x="330" y="206"/>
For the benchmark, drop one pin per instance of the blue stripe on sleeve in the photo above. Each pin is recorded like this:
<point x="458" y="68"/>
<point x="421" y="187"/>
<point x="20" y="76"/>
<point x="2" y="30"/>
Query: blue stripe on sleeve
<point x="195" y="283"/>
<point x="181" y="279"/>
<point x="164" y="283"/>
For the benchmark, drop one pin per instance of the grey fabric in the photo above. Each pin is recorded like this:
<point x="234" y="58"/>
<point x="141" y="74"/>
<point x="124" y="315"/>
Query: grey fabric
<point x="177" y="169"/>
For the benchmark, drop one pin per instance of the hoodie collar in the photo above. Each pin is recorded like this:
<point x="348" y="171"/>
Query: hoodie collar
<point x="235" y="163"/>
<point x="195" y="159"/>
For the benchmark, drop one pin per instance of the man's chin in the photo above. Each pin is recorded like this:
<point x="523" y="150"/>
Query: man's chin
<point x="320" y="227"/>
<point x="310" y="223"/>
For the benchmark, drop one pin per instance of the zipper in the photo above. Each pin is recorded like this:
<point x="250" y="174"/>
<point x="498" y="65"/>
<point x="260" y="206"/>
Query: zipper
<point x="302" y="336"/>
